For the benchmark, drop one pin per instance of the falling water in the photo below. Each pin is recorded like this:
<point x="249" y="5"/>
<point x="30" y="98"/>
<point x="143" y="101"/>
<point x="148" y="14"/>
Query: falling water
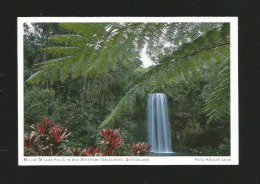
<point x="159" y="133"/>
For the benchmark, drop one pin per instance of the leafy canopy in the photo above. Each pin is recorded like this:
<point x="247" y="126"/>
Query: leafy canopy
<point x="95" y="48"/>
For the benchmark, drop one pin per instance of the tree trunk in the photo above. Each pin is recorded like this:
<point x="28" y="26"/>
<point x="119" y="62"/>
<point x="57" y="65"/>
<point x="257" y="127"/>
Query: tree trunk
<point x="83" y="94"/>
<point x="102" y="104"/>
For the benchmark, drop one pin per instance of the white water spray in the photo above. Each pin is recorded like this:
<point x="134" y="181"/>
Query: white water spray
<point x="159" y="132"/>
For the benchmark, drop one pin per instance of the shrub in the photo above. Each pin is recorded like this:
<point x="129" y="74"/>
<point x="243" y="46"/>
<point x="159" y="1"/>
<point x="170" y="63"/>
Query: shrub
<point x="224" y="147"/>
<point x="39" y="103"/>
<point x="93" y="152"/>
<point x="47" y="139"/>
<point x="206" y="150"/>
<point x="29" y="140"/>
<point x="111" y="141"/>
<point x="142" y="148"/>
<point x="29" y="152"/>
<point x="182" y="148"/>
<point x="75" y="152"/>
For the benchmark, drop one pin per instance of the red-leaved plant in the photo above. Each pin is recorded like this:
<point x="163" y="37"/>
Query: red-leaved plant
<point x="29" y="140"/>
<point x="111" y="141"/>
<point x="42" y="127"/>
<point x="93" y="152"/>
<point x="58" y="133"/>
<point x="76" y="151"/>
<point x="142" y="148"/>
<point x="48" y="138"/>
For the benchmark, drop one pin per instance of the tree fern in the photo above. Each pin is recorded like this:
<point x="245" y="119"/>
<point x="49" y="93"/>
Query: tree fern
<point x="190" y="56"/>
<point x="95" y="48"/>
<point x="217" y="104"/>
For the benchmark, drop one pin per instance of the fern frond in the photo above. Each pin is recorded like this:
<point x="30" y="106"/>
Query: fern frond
<point x="72" y="40"/>
<point x="98" y="46"/>
<point x="60" y="51"/>
<point x="177" y="63"/>
<point x="95" y="48"/>
<point x="217" y="105"/>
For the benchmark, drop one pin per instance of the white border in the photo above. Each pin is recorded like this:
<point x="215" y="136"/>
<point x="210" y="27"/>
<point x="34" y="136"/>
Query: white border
<point x="174" y="160"/>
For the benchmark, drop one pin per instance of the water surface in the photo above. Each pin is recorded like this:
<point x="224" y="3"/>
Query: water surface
<point x="173" y="154"/>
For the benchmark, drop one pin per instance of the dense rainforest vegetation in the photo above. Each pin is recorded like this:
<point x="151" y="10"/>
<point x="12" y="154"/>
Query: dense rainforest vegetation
<point x="89" y="77"/>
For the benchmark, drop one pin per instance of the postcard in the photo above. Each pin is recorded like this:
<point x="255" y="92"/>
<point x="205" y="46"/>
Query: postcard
<point x="128" y="91"/>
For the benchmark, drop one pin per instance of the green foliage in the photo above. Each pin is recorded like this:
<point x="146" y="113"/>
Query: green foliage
<point x="182" y="148"/>
<point x="46" y="139"/>
<point x="39" y="103"/>
<point x="30" y="51"/>
<point x="29" y="152"/>
<point x="217" y="104"/>
<point x="224" y="147"/>
<point x="124" y="150"/>
<point x="141" y="149"/>
<point x="98" y="46"/>
<point x="94" y="80"/>
<point x="222" y="150"/>
<point x="189" y="57"/>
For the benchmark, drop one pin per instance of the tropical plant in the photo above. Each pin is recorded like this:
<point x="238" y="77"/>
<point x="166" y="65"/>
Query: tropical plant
<point x="111" y="141"/>
<point x="47" y="139"/>
<point x="141" y="148"/>
<point x="39" y="103"/>
<point x="95" y="48"/>
<point x="93" y="152"/>
<point x="217" y="105"/>
<point x="35" y="37"/>
<point x="209" y="48"/>
<point x="101" y="59"/>
<point x="43" y="127"/>
<point x="76" y="151"/>
<point x="29" y="140"/>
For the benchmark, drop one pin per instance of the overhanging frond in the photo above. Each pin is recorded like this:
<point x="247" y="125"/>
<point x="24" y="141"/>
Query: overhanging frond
<point x="184" y="59"/>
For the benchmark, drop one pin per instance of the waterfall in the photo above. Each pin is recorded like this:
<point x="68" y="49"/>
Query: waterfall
<point x="159" y="132"/>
